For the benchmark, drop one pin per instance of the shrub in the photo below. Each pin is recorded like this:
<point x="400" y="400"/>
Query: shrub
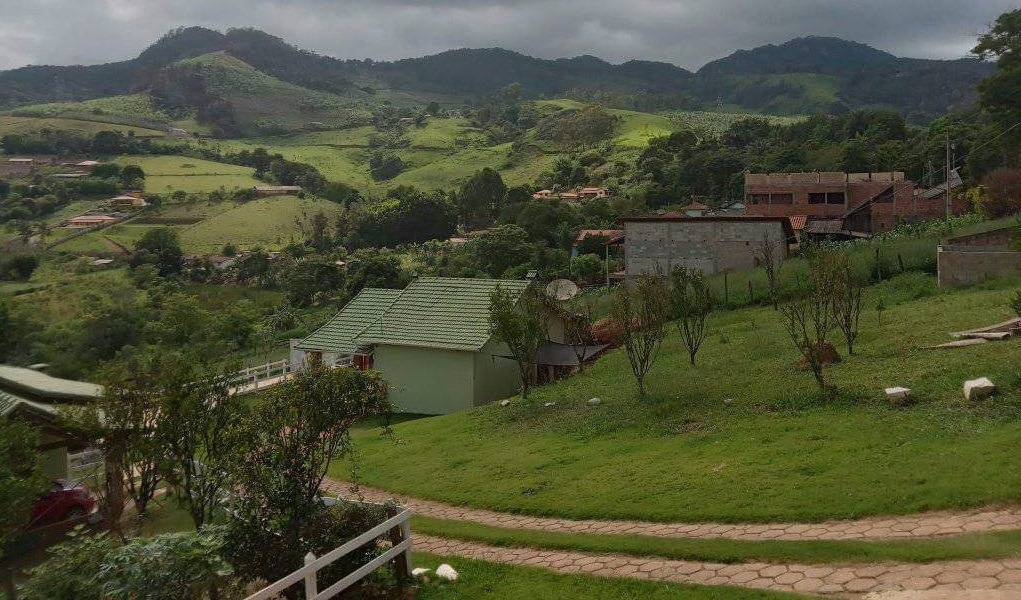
<point x="1015" y="303"/>
<point x="70" y="571"/>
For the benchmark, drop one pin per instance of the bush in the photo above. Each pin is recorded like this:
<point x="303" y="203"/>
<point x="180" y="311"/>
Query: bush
<point x="19" y="267"/>
<point x="70" y="571"/>
<point x="1015" y="303"/>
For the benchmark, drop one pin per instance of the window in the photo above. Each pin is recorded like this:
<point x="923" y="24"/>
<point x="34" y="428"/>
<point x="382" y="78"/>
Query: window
<point x="835" y="198"/>
<point x="758" y="198"/>
<point x="781" y="198"/>
<point x="817" y="198"/>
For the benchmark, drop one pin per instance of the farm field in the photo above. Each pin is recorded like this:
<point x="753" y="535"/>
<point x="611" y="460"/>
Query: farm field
<point x="13" y="124"/>
<point x="266" y="222"/>
<point x="164" y="174"/>
<point x="779" y="452"/>
<point x="131" y="109"/>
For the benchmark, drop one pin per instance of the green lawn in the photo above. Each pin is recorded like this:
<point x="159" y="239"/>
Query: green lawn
<point x="999" y="544"/>
<point x="479" y="580"/>
<point x="778" y="452"/>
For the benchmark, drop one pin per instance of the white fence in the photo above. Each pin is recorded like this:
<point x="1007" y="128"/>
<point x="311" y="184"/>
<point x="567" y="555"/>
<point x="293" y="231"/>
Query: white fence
<point x="396" y="526"/>
<point x="265" y="375"/>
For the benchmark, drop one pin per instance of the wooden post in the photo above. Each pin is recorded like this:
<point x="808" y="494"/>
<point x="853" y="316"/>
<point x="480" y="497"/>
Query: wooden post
<point x="311" y="580"/>
<point x="751" y="294"/>
<point x="402" y="564"/>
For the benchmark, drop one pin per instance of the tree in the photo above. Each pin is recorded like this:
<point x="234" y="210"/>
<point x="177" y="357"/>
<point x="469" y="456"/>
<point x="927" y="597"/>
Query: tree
<point x="433" y="108"/>
<point x="159" y="247"/>
<point x="21" y="478"/>
<point x="998" y="92"/>
<point x="1003" y="192"/>
<point x="132" y="175"/>
<point x="198" y="428"/>
<point x="521" y="323"/>
<point x="588" y="268"/>
<point x="481" y="197"/>
<point x="384" y="164"/>
<point x="578" y="329"/>
<point x="125" y="418"/>
<point x="306" y="277"/>
<point x="641" y="316"/>
<point x="809" y="320"/>
<point x="501" y="248"/>
<point x="691" y="302"/>
<point x="292" y="435"/>
<point x="765" y="254"/>
<point x="847" y="295"/>
<point x="371" y="269"/>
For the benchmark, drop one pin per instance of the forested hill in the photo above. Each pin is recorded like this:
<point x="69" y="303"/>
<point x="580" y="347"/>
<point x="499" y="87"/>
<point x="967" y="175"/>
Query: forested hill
<point x="803" y="75"/>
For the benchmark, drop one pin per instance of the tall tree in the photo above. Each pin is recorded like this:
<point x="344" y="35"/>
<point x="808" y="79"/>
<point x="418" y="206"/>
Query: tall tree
<point x="998" y="92"/>
<point x="481" y="197"/>
<point x="21" y="478"/>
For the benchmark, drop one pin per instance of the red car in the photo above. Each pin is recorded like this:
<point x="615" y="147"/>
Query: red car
<point x="63" y="501"/>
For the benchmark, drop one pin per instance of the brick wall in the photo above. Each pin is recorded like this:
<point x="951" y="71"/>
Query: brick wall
<point x="963" y="265"/>
<point x="999" y="238"/>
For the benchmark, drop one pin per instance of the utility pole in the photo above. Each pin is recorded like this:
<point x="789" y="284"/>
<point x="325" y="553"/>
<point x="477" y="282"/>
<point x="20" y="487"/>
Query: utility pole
<point x="948" y="176"/>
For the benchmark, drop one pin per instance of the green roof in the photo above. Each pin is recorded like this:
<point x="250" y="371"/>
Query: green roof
<point x="440" y="312"/>
<point x="40" y="386"/>
<point x="9" y="404"/>
<point x="339" y="334"/>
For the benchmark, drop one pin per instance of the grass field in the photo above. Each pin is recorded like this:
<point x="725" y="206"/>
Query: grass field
<point x="12" y="124"/>
<point x="132" y="109"/>
<point x="266" y="222"/>
<point x="164" y="174"/>
<point x="779" y="452"/>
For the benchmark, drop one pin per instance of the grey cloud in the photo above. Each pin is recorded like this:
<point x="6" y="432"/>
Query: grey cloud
<point x="687" y="33"/>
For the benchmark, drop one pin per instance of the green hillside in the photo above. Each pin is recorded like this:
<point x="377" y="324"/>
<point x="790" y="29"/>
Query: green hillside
<point x="777" y="453"/>
<point x="21" y="125"/>
<point x="259" y="103"/>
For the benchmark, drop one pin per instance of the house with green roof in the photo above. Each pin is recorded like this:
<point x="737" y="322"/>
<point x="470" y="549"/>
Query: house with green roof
<point x="334" y="342"/>
<point x="430" y="341"/>
<point x="33" y="396"/>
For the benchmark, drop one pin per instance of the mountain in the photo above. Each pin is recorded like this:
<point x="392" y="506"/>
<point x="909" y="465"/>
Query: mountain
<point x="845" y="75"/>
<point x="800" y="76"/>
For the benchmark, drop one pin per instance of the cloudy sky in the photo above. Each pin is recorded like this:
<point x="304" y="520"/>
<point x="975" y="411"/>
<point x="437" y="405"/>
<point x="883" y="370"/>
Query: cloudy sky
<point x="685" y="32"/>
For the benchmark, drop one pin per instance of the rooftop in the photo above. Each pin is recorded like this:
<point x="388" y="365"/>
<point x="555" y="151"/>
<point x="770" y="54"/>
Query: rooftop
<point x="38" y="385"/>
<point x="339" y="334"/>
<point x="440" y="312"/>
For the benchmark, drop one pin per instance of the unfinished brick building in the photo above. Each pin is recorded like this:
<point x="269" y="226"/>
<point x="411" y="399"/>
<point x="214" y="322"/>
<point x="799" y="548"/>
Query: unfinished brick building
<point x="841" y="203"/>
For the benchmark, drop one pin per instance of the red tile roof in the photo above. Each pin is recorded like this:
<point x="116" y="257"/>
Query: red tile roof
<point x="606" y="233"/>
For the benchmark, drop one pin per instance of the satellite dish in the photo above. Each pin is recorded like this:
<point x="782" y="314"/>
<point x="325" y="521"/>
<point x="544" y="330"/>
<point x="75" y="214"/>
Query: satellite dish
<point x="562" y="289"/>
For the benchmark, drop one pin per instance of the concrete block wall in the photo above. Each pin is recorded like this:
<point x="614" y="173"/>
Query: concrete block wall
<point x="657" y="247"/>
<point x="963" y="265"/>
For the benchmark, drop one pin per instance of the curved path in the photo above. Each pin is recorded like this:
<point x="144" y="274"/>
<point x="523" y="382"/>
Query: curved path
<point x="986" y="579"/>
<point x="920" y="525"/>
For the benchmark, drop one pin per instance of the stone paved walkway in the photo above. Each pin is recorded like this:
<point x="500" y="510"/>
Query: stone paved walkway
<point x="1000" y="579"/>
<point x="930" y="524"/>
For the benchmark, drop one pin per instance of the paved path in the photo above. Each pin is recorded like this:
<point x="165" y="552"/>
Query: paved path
<point x="991" y="578"/>
<point x="921" y="525"/>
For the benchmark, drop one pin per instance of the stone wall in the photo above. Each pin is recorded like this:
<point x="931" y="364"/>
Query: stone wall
<point x="708" y="245"/>
<point x="965" y="265"/>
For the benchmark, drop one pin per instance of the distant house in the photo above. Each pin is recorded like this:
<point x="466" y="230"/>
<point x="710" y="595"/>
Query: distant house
<point x="695" y="209"/>
<point x="587" y="193"/>
<point x="177" y="132"/>
<point x="430" y="341"/>
<point x="543" y="195"/>
<point x="656" y="244"/>
<point x="87" y="163"/>
<point x="129" y="201"/>
<point x="277" y="190"/>
<point x="21" y="161"/>
<point x="69" y="175"/>
<point x="35" y="397"/>
<point x="852" y="204"/>
<point x="90" y="220"/>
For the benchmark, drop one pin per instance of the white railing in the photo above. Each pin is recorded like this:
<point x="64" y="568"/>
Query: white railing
<point x="396" y="526"/>
<point x="249" y="379"/>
